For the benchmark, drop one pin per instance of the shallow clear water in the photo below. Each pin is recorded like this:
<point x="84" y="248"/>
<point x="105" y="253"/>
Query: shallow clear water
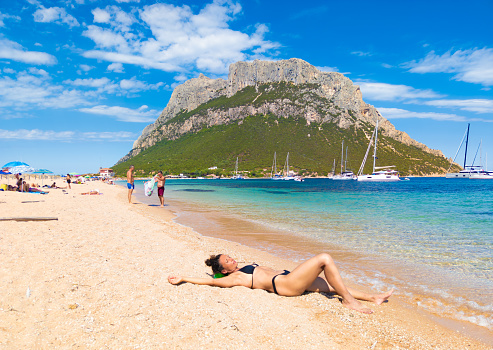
<point x="436" y="232"/>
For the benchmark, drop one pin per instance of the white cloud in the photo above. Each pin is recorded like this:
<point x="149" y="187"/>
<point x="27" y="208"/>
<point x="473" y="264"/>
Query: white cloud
<point x="109" y="136"/>
<point x="36" y="134"/>
<point x="33" y="90"/>
<point x="54" y="14"/>
<point x="361" y="53"/>
<point x="140" y="115"/>
<point x="180" y="40"/>
<point x="50" y="135"/>
<point x="472" y="105"/>
<point x="472" y="66"/>
<point x="8" y="70"/>
<point x="100" y="16"/>
<point x="127" y="1"/>
<point x="390" y="92"/>
<point x="135" y="85"/>
<point x="5" y="16"/>
<point x="14" y="51"/>
<point x="327" y="69"/>
<point x="120" y="20"/>
<point x="105" y="85"/>
<point x="85" y="67"/>
<point x="396" y="113"/>
<point x="40" y="72"/>
<point x="91" y="82"/>
<point x="115" y="67"/>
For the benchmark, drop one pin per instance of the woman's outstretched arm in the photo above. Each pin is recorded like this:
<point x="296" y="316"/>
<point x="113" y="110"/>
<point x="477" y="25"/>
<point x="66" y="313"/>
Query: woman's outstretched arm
<point x="224" y="282"/>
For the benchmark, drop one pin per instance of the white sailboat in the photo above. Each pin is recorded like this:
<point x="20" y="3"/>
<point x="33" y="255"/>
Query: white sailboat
<point x="287" y="175"/>
<point x="476" y="172"/>
<point x="345" y="173"/>
<point x="273" y="174"/>
<point x="237" y="176"/>
<point x="381" y="173"/>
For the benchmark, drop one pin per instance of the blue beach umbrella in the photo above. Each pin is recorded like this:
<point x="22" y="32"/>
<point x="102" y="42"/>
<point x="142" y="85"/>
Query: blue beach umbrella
<point x="43" y="172"/>
<point x="14" y="164"/>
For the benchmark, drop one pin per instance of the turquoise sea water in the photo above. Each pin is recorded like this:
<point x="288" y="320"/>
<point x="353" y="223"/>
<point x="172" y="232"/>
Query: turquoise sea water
<point x="428" y="237"/>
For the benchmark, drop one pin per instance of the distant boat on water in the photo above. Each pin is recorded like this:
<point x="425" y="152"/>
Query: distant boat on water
<point x="381" y="173"/>
<point x="345" y="174"/>
<point x="475" y="172"/>
<point x="273" y="174"/>
<point x="289" y="175"/>
<point x="237" y="176"/>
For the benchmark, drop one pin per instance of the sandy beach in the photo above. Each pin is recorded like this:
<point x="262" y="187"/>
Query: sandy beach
<point x="96" y="278"/>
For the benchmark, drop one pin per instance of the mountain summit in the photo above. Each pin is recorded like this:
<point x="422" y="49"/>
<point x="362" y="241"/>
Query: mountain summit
<point x="328" y="103"/>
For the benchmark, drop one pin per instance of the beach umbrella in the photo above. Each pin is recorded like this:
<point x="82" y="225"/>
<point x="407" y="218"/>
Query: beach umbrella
<point x="21" y="169"/>
<point x="42" y="172"/>
<point x="5" y="172"/>
<point x="73" y="173"/>
<point x="14" y="164"/>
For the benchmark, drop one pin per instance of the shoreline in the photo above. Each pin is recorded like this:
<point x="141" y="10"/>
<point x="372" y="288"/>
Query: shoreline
<point x="98" y="274"/>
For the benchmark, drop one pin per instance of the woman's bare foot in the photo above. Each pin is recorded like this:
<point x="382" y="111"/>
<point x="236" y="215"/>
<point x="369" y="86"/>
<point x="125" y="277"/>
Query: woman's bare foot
<point x="356" y="306"/>
<point x="381" y="298"/>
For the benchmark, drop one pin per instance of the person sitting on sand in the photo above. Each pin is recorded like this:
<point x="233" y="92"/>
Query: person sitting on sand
<point x="304" y="278"/>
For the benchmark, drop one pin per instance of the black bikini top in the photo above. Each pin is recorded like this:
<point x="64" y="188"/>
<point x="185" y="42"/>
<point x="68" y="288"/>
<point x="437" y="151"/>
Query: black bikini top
<point x="248" y="269"/>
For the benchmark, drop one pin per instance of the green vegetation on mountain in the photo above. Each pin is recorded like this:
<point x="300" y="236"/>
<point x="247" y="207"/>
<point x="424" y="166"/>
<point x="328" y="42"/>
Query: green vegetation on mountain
<point x="254" y="140"/>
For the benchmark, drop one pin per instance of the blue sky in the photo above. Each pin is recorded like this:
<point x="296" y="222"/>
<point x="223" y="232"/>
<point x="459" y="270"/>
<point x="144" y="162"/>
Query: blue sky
<point x="80" y="79"/>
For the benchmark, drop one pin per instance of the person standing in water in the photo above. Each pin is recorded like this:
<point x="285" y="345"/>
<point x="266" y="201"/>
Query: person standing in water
<point x="130" y="182"/>
<point x="161" y="180"/>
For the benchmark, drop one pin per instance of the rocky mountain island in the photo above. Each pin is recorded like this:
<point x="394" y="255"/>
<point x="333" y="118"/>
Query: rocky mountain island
<point x="266" y="107"/>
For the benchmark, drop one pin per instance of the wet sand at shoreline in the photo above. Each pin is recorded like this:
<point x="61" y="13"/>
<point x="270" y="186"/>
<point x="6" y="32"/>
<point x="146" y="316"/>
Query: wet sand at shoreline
<point x="97" y="278"/>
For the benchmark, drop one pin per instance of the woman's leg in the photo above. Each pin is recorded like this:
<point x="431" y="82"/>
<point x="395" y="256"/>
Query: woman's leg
<point x="321" y="285"/>
<point x="302" y="278"/>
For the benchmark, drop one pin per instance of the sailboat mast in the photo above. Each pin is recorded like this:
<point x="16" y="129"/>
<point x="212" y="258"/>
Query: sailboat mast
<point x="345" y="161"/>
<point x="375" y="148"/>
<point x="287" y="165"/>
<point x="275" y="163"/>
<point x="467" y="141"/>
<point x="342" y="154"/>
<point x="481" y="153"/>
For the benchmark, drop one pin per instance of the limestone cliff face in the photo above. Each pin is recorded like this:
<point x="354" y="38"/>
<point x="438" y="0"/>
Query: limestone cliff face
<point x="346" y="106"/>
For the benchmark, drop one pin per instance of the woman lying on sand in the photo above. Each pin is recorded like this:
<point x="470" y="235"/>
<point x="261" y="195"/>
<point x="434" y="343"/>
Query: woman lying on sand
<point x="302" y="278"/>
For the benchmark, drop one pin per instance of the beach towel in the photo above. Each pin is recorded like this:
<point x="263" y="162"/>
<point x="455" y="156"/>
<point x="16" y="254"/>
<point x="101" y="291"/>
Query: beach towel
<point x="149" y="187"/>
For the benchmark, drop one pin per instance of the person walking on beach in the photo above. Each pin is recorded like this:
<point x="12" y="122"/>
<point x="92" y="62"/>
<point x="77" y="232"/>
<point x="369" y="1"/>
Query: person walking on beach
<point x="130" y="182"/>
<point x="304" y="278"/>
<point x="161" y="180"/>
<point x="69" y="180"/>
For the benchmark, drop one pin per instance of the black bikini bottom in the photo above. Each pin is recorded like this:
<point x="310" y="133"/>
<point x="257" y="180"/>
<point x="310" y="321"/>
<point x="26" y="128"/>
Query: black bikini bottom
<point x="286" y="272"/>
